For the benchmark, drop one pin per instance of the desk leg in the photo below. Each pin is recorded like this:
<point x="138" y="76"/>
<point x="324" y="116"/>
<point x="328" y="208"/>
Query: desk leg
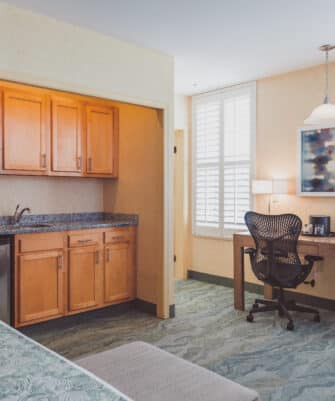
<point x="268" y="291"/>
<point x="238" y="275"/>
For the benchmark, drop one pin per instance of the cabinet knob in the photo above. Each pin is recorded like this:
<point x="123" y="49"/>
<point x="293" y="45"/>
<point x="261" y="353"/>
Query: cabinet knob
<point x="108" y="255"/>
<point x="79" y="161"/>
<point x="89" y="164"/>
<point x="60" y="261"/>
<point x="43" y="160"/>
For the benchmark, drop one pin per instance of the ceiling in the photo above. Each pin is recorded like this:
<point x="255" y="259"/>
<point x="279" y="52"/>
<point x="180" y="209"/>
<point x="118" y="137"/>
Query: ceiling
<point x="215" y="42"/>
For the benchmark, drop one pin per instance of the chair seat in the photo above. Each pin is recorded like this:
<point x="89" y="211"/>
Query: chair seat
<point x="285" y="275"/>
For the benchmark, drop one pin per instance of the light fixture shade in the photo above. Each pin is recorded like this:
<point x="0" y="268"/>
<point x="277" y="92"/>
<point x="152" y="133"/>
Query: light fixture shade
<point x="262" y="187"/>
<point x="322" y="115"/>
<point x="280" y="187"/>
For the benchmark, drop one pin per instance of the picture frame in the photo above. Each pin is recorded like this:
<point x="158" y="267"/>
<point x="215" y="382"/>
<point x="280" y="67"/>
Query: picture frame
<point x="316" y="161"/>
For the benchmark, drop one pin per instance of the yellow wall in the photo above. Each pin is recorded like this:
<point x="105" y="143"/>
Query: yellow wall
<point x="283" y="102"/>
<point x="139" y="189"/>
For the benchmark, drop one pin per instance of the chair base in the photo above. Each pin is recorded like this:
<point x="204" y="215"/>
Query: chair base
<point x="283" y="307"/>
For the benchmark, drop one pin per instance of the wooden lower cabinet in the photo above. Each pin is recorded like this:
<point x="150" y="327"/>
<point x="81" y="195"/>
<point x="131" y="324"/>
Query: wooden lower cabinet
<point x="119" y="274"/>
<point x="58" y="274"/>
<point x="40" y="286"/>
<point x="84" y="277"/>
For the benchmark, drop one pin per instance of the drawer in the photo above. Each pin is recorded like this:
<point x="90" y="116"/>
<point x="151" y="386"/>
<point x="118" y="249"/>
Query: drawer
<point x="84" y="238"/>
<point x="39" y="242"/>
<point x="308" y="250"/>
<point x="119" y="235"/>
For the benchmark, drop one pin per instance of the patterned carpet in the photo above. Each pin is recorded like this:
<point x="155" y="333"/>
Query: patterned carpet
<point x="280" y="365"/>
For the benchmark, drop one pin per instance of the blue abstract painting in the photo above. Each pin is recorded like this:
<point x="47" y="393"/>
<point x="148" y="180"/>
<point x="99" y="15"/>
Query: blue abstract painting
<point x="318" y="161"/>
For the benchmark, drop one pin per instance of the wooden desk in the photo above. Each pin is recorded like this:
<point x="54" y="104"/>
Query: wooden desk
<point x="319" y="246"/>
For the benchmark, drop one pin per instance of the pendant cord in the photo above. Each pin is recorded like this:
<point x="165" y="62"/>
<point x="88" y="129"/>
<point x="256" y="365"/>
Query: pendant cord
<point x="326" y="78"/>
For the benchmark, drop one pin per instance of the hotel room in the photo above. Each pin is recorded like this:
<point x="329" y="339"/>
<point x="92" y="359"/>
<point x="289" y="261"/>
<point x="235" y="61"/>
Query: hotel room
<point x="167" y="219"/>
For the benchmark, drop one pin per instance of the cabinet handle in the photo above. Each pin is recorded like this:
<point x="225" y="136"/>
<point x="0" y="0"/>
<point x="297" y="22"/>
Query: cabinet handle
<point x="97" y="257"/>
<point x="118" y="238"/>
<point x="84" y="241"/>
<point x="89" y="164"/>
<point x="108" y="255"/>
<point x="79" y="163"/>
<point x="60" y="262"/>
<point x="43" y="160"/>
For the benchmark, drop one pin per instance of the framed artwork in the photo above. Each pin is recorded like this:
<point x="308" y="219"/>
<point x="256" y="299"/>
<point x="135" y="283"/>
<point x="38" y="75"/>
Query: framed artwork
<point x="316" y="157"/>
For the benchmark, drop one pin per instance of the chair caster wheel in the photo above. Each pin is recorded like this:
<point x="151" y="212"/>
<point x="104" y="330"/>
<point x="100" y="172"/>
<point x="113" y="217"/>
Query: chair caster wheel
<point x="290" y="325"/>
<point x="255" y="306"/>
<point x="317" y="318"/>
<point x="250" y="318"/>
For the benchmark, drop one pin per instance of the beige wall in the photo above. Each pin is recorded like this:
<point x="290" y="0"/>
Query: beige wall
<point x="139" y="190"/>
<point x="182" y="225"/>
<point x="50" y="195"/>
<point x="283" y="102"/>
<point x="39" y="50"/>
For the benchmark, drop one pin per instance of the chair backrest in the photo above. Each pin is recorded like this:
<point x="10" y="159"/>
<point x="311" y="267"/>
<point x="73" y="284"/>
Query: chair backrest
<point x="276" y="239"/>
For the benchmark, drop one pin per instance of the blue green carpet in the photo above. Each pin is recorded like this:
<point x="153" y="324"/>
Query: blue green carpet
<point x="280" y="365"/>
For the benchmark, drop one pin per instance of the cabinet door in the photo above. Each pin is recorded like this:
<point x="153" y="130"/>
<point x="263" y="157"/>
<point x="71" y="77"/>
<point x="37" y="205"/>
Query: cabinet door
<point x="119" y="272"/>
<point x="84" y="278"/>
<point x="66" y="136"/>
<point x="40" y="288"/>
<point x="24" y="131"/>
<point x="100" y="140"/>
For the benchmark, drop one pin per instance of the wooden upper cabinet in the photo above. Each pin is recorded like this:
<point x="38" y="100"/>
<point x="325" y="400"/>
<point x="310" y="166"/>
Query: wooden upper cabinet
<point x="101" y="128"/>
<point x="66" y="136"/>
<point x="25" y="131"/>
<point x="48" y="132"/>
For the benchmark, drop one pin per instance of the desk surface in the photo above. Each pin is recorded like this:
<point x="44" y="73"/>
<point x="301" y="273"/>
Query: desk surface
<point x="302" y="238"/>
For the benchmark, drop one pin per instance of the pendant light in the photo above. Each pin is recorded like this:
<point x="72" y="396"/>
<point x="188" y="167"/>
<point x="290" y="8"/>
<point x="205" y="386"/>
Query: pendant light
<point x="325" y="113"/>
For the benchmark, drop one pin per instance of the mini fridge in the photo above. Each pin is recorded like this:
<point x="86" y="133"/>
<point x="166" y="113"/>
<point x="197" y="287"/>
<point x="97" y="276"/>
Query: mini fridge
<point x="6" y="279"/>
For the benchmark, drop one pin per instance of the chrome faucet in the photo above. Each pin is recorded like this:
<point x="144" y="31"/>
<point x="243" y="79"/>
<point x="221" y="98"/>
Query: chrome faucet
<point x="18" y="214"/>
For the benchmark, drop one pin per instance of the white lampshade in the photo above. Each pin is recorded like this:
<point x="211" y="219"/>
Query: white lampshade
<point x="279" y="187"/>
<point x="262" y="187"/>
<point x="322" y="115"/>
<point x="269" y="187"/>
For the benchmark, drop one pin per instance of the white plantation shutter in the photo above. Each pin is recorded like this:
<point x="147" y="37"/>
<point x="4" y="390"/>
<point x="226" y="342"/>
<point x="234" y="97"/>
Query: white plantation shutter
<point x="223" y="127"/>
<point x="207" y="160"/>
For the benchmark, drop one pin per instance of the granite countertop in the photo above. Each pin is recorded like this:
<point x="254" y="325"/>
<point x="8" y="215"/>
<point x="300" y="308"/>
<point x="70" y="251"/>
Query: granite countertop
<point x="65" y="222"/>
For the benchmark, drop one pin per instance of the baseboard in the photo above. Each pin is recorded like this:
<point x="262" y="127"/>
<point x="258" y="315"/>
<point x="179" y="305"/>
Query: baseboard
<point x="151" y="308"/>
<point x="172" y="311"/>
<point x="306" y="299"/>
<point x="145" y="306"/>
<point x="224" y="281"/>
<point x="68" y="321"/>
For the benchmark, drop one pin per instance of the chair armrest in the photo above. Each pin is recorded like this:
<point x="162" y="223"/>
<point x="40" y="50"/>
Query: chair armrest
<point x="313" y="258"/>
<point x="250" y="251"/>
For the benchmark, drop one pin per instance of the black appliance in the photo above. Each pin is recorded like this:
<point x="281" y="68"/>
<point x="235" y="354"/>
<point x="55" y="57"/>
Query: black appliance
<point x="319" y="225"/>
<point x="6" y="279"/>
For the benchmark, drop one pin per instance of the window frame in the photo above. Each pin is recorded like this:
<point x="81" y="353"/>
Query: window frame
<point x="250" y="88"/>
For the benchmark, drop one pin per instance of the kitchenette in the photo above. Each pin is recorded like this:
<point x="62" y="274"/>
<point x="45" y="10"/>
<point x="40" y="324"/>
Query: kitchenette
<point x="60" y="264"/>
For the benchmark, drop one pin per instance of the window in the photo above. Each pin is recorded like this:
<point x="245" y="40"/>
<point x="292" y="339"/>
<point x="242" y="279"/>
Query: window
<point x="223" y="137"/>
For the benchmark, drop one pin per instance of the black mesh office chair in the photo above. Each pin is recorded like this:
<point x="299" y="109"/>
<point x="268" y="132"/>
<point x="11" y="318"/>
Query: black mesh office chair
<point x="275" y="261"/>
